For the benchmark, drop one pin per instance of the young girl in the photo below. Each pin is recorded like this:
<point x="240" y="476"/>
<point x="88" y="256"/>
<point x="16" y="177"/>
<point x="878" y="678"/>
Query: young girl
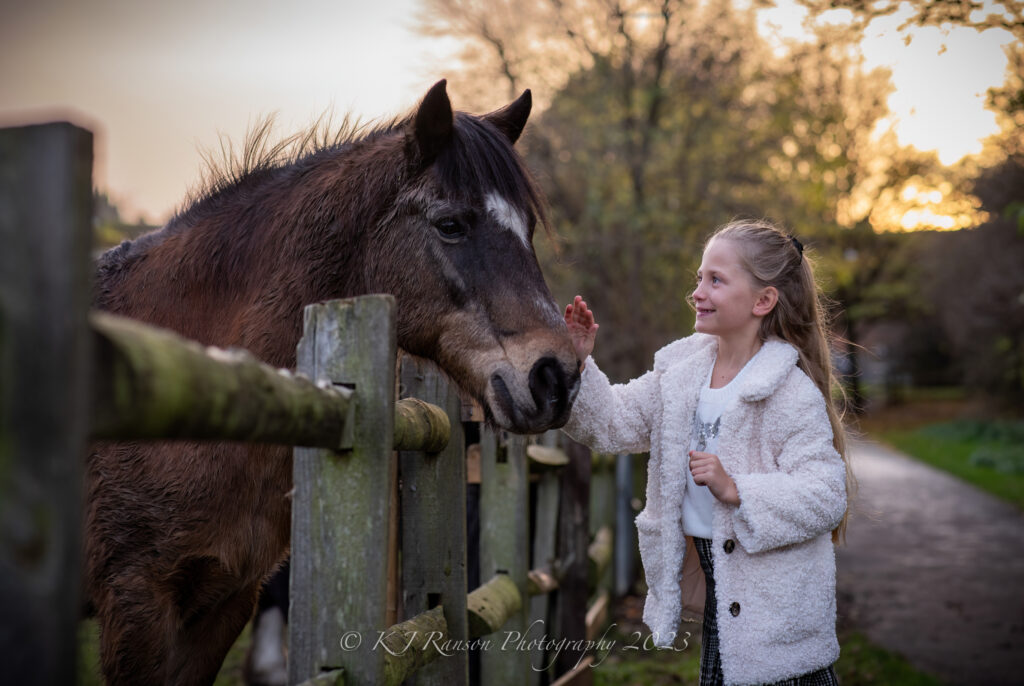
<point x="747" y="461"/>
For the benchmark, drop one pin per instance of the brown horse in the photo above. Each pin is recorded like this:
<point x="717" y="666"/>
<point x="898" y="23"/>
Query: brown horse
<point x="437" y="209"/>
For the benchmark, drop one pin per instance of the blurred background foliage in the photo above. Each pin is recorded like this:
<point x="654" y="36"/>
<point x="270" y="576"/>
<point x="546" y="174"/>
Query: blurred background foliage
<point x="658" y="120"/>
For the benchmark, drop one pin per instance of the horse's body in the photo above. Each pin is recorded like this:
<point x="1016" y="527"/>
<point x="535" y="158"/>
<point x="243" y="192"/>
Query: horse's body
<point x="435" y="209"/>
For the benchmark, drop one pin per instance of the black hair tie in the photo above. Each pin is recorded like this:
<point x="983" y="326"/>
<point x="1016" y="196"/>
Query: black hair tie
<point x="798" y="245"/>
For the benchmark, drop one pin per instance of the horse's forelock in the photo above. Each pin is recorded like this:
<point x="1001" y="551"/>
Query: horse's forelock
<point x="483" y="160"/>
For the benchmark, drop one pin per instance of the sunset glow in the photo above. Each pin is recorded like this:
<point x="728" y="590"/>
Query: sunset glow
<point x="158" y="82"/>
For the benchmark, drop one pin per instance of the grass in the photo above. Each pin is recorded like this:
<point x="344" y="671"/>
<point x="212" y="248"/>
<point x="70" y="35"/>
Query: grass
<point x="635" y="662"/>
<point x="89" y="657"/>
<point x="861" y="663"/>
<point x="987" y="454"/>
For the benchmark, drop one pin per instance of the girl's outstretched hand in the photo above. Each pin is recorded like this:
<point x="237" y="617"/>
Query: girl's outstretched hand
<point x="582" y="328"/>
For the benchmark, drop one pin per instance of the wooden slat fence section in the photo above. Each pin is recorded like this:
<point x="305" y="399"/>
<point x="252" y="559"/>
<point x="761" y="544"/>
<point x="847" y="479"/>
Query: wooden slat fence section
<point x="433" y="516"/>
<point x="340" y="504"/>
<point x="45" y="232"/>
<point x="504" y="541"/>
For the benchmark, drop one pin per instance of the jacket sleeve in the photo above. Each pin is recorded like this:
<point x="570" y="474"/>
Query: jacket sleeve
<point x="613" y="418"/>
<point x="806" y="497"/>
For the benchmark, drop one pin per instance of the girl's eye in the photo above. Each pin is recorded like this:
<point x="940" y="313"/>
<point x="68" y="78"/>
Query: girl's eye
<point x="714" y="280"/>
<point x="450" y="228"/>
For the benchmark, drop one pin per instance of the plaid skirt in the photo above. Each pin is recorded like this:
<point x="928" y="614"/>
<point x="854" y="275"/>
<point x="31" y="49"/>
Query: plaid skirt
<point x="711" y="660"/>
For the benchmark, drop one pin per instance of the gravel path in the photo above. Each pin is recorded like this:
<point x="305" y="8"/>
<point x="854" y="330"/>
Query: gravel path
<point x="933" y="569"/>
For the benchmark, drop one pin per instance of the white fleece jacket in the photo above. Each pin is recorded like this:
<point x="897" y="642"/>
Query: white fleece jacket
<point x="773" y="555"/>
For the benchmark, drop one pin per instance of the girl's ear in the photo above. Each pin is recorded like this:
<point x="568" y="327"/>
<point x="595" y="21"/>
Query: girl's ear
<point x="766" y="301"/>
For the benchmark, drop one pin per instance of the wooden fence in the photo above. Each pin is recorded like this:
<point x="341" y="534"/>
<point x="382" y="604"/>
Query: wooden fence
<point x="379" y="543"/>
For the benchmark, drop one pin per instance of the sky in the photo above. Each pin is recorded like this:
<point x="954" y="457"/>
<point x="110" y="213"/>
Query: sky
<point x="158" y="81"/>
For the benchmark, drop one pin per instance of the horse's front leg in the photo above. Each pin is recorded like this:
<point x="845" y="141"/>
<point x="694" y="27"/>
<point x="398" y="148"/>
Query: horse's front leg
<point x="136" y="624"/>
<point x="150" y="636"/>
<point x="213" y="606"/>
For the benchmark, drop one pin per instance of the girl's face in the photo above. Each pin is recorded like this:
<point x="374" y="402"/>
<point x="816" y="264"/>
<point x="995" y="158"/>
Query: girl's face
<point x="725" y="296"/>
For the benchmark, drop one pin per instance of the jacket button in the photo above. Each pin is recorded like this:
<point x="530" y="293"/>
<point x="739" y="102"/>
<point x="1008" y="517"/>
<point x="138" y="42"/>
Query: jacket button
<point x="729" y="546"/>
<point x="734" y="609"/>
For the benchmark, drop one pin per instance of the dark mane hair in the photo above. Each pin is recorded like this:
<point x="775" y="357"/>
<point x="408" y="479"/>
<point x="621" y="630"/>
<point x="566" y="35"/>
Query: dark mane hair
<point x="229" y="171"/>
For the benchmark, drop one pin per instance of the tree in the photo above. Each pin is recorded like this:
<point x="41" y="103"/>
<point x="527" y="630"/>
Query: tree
<point x="977" y="274"/>
<point x="109" y="228"/>
<point x="976" y="14"/>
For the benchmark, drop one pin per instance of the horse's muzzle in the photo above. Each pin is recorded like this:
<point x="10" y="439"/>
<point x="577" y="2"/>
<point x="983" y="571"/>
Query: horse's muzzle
<point x="552" y="389"/>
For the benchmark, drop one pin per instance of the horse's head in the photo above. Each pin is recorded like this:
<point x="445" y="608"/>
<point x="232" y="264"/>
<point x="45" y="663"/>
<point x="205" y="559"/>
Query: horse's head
<point x="470" y="292"/>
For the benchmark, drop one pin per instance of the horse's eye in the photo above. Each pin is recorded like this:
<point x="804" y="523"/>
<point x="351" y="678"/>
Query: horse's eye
<point x="450" y="228"/>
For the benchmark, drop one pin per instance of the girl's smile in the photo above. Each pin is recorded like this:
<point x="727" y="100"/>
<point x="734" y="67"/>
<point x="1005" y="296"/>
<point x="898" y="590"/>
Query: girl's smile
<point x="724" y="297"/>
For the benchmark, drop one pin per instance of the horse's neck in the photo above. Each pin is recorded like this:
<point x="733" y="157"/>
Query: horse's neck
<point x="245" y="285"/>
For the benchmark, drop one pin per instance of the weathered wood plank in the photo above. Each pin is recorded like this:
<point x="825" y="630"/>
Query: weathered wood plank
<point x="573" y="539"/>
<point x="581" y="675"/>
<point x="433" y="505"/>
<point x="602" y="518"/>
<point x="340" y="506"/>
<point x="599" y="556"/>
<point x="597" y="615"/>
<point x="548" y="460"/>
<point x="45" y="231"/>
<point x="540" y="581"/>
<point x="504" y="544"/>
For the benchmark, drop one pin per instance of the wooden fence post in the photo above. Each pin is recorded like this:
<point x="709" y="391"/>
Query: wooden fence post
<point x="433" y="523"/>
<point x="340" y="506"/>
<point x="504" y="533"/>
<point x="46" y="233"/>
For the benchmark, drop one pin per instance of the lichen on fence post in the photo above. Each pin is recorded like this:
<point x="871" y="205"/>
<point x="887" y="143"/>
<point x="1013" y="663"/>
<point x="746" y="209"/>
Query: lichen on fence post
<point x="340" y="505"/>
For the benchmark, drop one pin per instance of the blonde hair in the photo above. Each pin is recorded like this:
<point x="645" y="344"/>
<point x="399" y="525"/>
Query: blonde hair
<point x="773" y="258"/>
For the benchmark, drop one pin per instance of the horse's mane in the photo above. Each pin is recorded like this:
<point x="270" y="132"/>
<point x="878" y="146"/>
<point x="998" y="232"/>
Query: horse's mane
<point x="230" y="170"/>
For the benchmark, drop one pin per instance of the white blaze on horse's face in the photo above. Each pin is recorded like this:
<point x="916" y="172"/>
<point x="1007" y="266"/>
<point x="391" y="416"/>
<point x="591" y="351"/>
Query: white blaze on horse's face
<point x="508" y="216"/>
<point x="511" y="218"/>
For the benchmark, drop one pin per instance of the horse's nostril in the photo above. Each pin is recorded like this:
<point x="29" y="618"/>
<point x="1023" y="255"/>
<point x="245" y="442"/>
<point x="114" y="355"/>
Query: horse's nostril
<point x="547" y="383"/>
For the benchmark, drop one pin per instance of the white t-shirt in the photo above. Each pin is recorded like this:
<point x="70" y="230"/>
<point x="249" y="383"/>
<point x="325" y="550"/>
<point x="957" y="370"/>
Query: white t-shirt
<point x="698" y="500"/>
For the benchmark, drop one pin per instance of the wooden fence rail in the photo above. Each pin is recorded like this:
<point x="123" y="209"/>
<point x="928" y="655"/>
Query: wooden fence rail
<point x="150" y="383"/>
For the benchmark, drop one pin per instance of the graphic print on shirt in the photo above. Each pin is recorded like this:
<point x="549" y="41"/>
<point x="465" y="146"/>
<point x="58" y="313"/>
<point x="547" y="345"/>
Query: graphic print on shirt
<point x="704" y="431"/>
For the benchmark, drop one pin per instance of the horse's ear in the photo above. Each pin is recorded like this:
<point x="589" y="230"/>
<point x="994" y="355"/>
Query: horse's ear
<point x="432" y="125"/>
<point x="511" y="118"/>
